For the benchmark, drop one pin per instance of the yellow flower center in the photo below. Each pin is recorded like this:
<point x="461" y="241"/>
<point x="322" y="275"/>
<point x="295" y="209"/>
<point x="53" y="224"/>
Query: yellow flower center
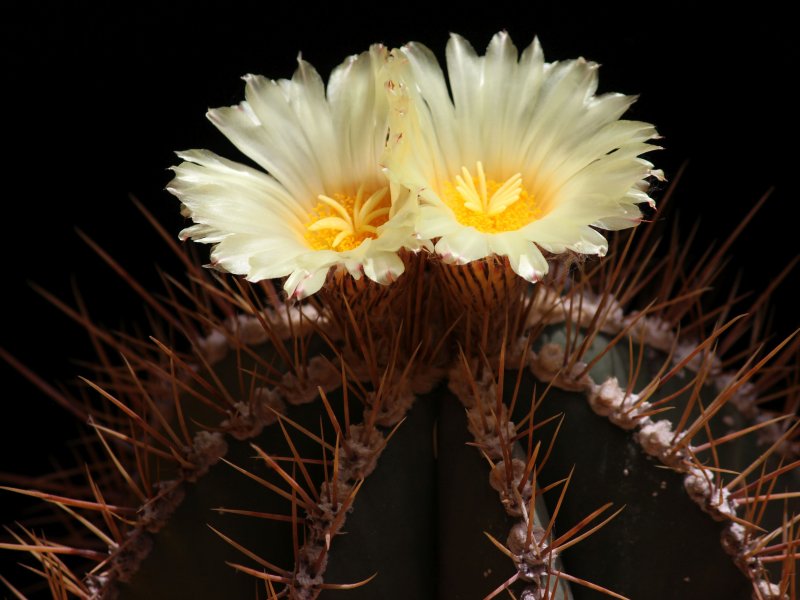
<point x="342" y="222"/>
<point x="488" y="205"/>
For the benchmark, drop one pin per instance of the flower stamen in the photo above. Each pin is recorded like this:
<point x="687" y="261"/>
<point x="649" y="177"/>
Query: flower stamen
<point x="477" y="199"/>
<point x="342" y="222"/>
<point x="487" y="205"/>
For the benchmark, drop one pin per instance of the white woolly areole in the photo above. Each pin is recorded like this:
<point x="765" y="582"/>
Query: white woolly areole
<point x="252" y="329"/>
<point x="213" y="347"/>
<point x="655" y="437"/>
<point x="607" y="397"/>
<point x="609" y="400"/>
<point x="699" y="484"/>
<point x="770" y="591"/>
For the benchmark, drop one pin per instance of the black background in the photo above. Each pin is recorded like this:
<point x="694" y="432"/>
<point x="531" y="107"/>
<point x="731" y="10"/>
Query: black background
<point x="96" y="97"/>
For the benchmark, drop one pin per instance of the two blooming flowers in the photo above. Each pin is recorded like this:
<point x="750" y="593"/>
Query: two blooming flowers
<point x="519" y="156"/>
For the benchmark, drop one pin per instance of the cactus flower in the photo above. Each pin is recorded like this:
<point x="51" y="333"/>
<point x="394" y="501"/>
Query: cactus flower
<point x="523" y="157"/>
<point x="324" y="201"/>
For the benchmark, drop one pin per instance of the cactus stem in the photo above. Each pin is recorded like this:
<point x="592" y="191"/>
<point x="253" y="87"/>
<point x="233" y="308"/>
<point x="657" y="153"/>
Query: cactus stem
<point x="164" y="412"/>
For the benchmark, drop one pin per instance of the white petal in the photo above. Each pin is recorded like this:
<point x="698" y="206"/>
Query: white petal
<point x="423" y="145"/>
<point x="466" y="82"/>
<point x="302" y="284"/>
<point x="436" y="221"/>
<point x="504" y="93"/>
<point x="556" y="236"/>
<point x="384" y="267"/>
<point x="283" y="154"/>
<point x="560" y="103"/>
<point x="259" y="257"/>
<point x="524" y="257"/>
<point x="231" y="196"/>
<point x="426" y="74"/>
<point x="462" y="246"/>
<point x="359" y="110"/>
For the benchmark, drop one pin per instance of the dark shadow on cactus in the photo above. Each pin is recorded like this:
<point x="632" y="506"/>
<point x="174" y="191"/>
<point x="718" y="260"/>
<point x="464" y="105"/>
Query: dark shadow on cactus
<point x="418" y="524"/>
<point x="661" y="546"/>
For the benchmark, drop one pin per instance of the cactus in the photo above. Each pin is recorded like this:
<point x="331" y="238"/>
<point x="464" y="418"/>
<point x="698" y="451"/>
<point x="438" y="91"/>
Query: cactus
<point x="453" y="431"/>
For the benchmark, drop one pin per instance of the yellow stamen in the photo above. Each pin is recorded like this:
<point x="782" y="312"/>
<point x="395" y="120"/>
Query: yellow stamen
<point x="341" y="222"/>
<point x="488" y="205"/>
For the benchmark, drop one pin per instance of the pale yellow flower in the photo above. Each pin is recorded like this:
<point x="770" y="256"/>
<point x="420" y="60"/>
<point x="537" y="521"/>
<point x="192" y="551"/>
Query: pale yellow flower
<point x="523" y="155"/>
<point x="324" y="201"/>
